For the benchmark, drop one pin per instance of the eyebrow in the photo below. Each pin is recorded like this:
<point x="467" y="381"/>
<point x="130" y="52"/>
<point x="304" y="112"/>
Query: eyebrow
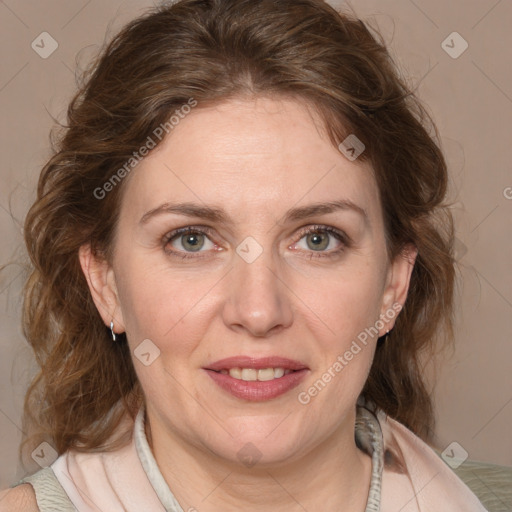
<point x="218" y="215"/>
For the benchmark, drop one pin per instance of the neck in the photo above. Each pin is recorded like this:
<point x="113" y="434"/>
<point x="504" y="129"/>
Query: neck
<point x="333" y="476"/>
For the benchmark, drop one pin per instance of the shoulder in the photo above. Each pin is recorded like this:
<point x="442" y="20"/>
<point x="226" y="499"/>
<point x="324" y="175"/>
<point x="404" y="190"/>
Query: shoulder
<point x="21" y="498"/>
<point x="424" y="470"/>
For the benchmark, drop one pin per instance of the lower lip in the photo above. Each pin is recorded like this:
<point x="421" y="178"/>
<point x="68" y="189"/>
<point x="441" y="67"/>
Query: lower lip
<point x="258" y="391"/>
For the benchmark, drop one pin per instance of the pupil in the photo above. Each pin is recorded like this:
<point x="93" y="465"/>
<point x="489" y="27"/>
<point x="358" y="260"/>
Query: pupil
<point x="317" y="241"/>
<point x="192" y="240"/>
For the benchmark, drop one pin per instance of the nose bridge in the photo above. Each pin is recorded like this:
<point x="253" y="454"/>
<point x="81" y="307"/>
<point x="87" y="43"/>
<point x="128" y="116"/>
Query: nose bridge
<point x="255" y="266"/>
<point x="258" y="299"/>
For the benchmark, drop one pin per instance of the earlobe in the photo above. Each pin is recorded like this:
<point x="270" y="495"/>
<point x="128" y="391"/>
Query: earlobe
<point x="101" y="281"/>
<point x="398" y="282"/>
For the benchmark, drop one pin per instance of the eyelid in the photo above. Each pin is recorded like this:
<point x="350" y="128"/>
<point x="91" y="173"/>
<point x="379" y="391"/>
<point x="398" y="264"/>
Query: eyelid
<point x="179" y="231"/>
<point x="329" y="229"/>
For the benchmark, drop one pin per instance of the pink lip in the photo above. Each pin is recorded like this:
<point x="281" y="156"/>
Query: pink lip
<point x="256" y="363"/>
<point x="257" y="391"/>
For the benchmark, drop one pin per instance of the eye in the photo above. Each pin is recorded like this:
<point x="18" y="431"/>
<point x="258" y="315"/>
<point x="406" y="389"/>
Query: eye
<point x="184" y="242"/>
<point x="190" y="239"/>
<point x="320" y="238"/>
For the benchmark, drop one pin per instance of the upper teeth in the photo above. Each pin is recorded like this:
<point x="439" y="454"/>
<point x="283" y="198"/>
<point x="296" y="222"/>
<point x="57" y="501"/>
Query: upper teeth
<point x="251" y="374"/>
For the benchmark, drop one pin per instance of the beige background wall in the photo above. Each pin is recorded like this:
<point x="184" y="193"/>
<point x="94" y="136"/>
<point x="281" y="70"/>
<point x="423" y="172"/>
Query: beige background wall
<point x="470" y="97"/>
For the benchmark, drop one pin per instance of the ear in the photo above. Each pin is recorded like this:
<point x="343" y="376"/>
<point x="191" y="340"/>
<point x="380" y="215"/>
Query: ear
<point x="102" y="285"/>
<point x="397" y="286"/>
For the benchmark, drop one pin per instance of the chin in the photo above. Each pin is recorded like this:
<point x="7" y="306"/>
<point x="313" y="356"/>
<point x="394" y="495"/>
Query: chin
<point x="261" y="443"/>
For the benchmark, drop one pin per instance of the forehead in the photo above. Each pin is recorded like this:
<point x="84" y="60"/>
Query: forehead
<point x="250" y="156"/>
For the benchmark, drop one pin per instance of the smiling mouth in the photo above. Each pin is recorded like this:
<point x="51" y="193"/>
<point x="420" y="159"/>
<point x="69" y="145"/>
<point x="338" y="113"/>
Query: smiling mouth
<point x="257" y="379"/>
<point x="252" y="374"/>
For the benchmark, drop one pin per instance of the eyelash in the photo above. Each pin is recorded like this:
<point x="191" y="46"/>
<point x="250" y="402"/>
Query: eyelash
<point x="204" y="230"/>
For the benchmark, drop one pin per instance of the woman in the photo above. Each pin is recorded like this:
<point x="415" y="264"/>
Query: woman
<point x="241" y="254"/>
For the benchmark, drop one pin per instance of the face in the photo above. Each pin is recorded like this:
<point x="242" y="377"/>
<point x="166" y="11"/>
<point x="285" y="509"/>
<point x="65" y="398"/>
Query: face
<point x="249" y="281"/>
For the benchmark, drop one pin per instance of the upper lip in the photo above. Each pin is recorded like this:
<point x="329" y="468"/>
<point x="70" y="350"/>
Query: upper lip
<point x="255" y="363"/>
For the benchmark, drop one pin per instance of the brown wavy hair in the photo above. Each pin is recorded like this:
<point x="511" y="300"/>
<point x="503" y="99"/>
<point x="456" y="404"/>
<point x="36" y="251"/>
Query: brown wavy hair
<point x="214" y="50"/>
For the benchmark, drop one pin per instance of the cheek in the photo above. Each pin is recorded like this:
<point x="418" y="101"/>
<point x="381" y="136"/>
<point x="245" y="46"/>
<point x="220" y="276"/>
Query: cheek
<point x="342" y="302"/>
<point x="164" y="309"/>
<point x="341" y="316"/>
<point x="162" y="305"/>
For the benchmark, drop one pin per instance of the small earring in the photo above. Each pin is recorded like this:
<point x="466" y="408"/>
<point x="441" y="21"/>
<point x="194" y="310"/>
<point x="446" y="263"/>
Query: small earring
<point x="112" y="330"/>
<point x="383" y="338"/>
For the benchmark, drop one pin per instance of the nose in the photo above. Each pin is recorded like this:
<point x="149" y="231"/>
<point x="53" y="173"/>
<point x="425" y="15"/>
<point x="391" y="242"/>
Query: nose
<point x="257" y="298"/>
